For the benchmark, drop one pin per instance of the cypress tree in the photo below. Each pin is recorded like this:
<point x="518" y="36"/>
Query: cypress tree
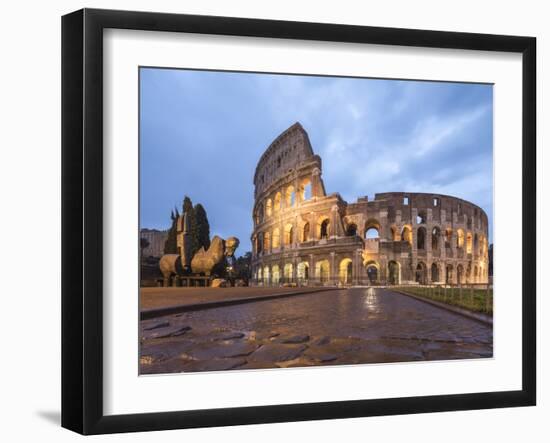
<point x="171" y="243"/>
<point x="203" y="227"/>
<point x="193" y="232"/>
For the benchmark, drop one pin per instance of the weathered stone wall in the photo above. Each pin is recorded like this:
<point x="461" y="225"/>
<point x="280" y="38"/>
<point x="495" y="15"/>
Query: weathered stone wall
<point x="418" y="237"/>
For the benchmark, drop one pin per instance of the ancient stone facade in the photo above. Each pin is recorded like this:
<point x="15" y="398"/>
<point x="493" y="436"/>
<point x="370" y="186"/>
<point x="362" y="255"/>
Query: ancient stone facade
<point x="303" y="235"/>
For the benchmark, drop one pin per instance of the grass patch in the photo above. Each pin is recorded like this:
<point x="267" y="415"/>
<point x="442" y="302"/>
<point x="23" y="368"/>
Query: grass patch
<point x="476" y="300"/>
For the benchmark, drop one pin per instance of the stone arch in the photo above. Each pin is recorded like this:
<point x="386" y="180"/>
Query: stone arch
<point x="351" y="229"/>
<point x="406" y="234"/>
<point x="459" y="238"/>
<point x="288" y="234"/>
<point x="323" y="227"/>
<point x="449" y="274"/>
<point x="303" y="271"/>
<point x="476" y="244"/>
<point x="372" y="228"/>
<point x="421" y="217"/>
<point x="421" y="276"/>
<point x="305" y="191"/>
<point x="322" y="271"/>
<point x="394" y="272"/>
<point x="394" y="233"/>
<point x="434" y="271"/>
<point x="345" y="271"/>
<point x="469" y="243"/>
<point x="288" y="272"/>
<point x="269" y="207"/>
<point x="448" y="237"/>
<point x="259" y="243"/>
<point x="460" y="274"/>
<point x="277" y="203"/>
<point x="276" y="238"/>
<point x="306" y="234"/>
<point x="436" y="234"/>
<point x="267" y="242"/>
<point x="266" y="275"/>
<point x="290" y="196"/>
<point x="275" y="274"/>
<point x="476" y="276"/>
<point x="421" y="238"/>
<point x="373" y="271"/>
<point x="260" y="214"/>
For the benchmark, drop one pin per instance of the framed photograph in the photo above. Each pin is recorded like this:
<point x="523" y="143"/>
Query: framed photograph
<point x="268" y="221"/>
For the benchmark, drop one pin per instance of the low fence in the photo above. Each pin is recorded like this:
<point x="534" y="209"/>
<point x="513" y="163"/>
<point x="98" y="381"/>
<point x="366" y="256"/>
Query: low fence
<point x="475" y="297"/>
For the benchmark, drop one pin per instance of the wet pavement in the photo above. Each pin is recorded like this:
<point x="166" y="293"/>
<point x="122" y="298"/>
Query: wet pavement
<point x="352" y="326"/>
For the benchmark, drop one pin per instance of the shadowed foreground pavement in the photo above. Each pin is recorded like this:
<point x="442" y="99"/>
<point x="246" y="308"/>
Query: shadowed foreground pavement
<point x="325" y="328"/>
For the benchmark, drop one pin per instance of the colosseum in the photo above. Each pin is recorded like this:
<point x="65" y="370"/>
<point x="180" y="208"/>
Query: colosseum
<point x="302" y="235"/>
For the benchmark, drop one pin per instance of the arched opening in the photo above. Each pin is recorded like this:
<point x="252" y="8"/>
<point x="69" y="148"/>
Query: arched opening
<point x="475" y="274"/>
<point x="259" y="243"/>
<point x="421" y="238"/>
<point x="372" y="229"/>
<point x="276" y="238"/>
<point x="269" y="207"/>
<point x="345" y="271"/>
<point x="406" y="234"/>
<point x="266" y="275"/>
<point x="421" y="218"/>
<point x="305" y="232"/>
<point x="469" y="243"/>
<point x="394" y="273"/>
<point x="372" y="233"/>
<point x="277" y="203"/>
<point x="469" y="273"/>
<point x="288" y="235"/>
<point x="275" y="274"/>
<point x="459" y="238"/>
<point x="420" y="275"/>
<point x="460" y="274"/>
<point x="303" y="271"/>
<point x="436" y="233"/>
<point x="259" y="275"/>
<point x="449" y="274"/>
<point x="322" y="271"/>
<point x="267" y="243"/>
<point x="448" y="237"/>
<point x="290" y="196"/>
<point x="372" y="272"/>
<point x="324" y="228"/>
<point x="305" y="190"/>
<point x="288" y="272"/>
<point x="435" y="273"/>
<point x="260" y="214"/>
<point x="351" y="230"/>
<point x="476" y="244"/>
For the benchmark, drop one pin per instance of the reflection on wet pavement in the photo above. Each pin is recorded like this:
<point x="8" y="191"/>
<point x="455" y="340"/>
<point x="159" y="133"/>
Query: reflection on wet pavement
<point x="350" y="326"/>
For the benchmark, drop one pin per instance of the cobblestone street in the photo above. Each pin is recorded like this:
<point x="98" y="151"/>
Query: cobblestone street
<point x="351" y="326"/>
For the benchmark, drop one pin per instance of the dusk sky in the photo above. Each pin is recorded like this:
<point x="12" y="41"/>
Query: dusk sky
<point x="202" y="134"/>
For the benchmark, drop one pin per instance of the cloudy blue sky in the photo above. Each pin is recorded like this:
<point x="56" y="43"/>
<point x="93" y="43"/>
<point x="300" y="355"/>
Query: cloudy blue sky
<point x="202" y="133"/>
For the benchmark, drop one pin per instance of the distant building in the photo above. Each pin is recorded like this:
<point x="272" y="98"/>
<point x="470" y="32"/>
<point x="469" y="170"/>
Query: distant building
<point x="156" y="241"/>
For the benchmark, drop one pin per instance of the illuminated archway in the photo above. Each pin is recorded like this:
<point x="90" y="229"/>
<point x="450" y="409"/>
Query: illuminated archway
<point x="406" y="234"/>
<point x="373" y="271"/>
<point x="275" y="274"/>
<point x="303" y="271"/>
<point x="288" y="270"/>
<point x="394" y="273"/>
<point x="276" y="238"/>
<point x="322" y="271"/>
<point x="345" y="271"/>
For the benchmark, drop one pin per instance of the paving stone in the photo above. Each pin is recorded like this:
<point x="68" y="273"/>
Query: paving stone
<point x="215" y="365"/>
<point x="157" y="325"/>
<point x="172" y="331"/>
<point x="277" y="352"/>
<point x="212" y="350"/>
<point x="292" y="339"/>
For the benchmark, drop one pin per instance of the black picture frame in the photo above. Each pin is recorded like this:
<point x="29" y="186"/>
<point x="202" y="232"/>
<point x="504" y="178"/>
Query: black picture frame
<point x="82" y="216"/>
